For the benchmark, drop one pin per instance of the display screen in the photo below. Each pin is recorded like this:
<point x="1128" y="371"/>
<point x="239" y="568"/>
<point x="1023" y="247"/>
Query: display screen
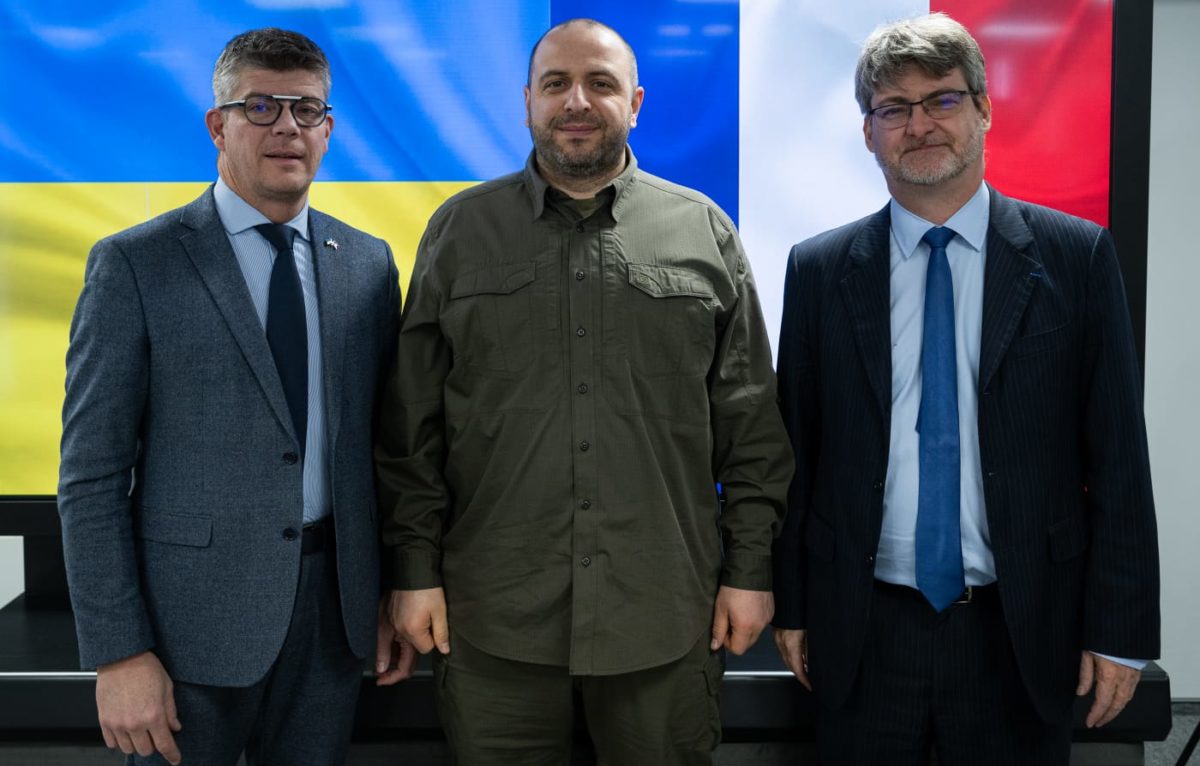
<point x="750" y="103"/>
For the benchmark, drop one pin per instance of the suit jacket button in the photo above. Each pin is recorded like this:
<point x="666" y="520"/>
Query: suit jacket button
<point x="290" y="458"/>
<point x="878" y="485"/>
<point x="870" y="559"/>
<point x="290" y="534"/>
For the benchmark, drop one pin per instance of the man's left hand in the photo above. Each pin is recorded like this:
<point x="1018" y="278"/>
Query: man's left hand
<point x="1114" y="682"/>
<point x="394" y="657"/>
<point x="739" y="617"/>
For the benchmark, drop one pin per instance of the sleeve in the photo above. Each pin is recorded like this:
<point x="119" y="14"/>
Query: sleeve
<point x="1121" y="597"/>
<point x="798" y="403"/>
<point x="410" y="453"/>
<point x="751" y="457"/>
<point x="106" y="388"/>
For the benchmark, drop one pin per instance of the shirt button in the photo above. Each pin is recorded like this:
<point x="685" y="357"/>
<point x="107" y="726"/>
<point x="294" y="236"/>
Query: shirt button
<point x="581" y="332"/>
<point x="579" y="275"/>
<point x="582" y="388"/>
<point x="586" y="561"/>
<point x="584" y="446"/>
<point x="585" y="504"/>
<point x="290" y="534"/>
<point x="290" y="458"/>
<point x="579" y="227"/>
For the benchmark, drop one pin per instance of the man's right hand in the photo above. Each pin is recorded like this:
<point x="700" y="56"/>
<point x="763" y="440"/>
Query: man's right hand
<point x="793" y="647"/>
<point x="419" y="617"/>
<point x="136" y="702"/>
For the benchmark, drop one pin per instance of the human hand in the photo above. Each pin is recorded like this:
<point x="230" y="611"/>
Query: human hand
<point x="394" y="657"/>
<point x="135" y="700"/>
<point x="1115" y="684"/>
<point x="419" y="617"/>
<point x="739" y="616"/>
<point x="793" y="648"/>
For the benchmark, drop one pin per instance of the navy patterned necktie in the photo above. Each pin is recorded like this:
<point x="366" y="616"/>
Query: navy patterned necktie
<point x="287" y="328"/>
<point x="939" y="540"/>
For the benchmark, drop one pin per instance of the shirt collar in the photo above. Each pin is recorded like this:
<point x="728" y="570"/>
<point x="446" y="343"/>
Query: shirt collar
<point x="238" y="215"/>
<point x="970" y="223"/>
<point x="537" y="186"/>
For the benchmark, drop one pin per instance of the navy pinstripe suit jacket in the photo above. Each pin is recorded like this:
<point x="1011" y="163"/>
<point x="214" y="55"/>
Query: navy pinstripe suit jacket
<point x="1061" y="434"/>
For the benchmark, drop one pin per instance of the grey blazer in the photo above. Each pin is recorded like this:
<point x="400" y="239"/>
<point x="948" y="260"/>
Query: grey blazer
<point x="179" y="488"/>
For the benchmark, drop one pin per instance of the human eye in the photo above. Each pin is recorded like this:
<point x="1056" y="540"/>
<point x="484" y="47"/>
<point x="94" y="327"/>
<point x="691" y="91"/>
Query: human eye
<point x="260" y="105"/>
<point x="309" y="110"/>
<point x="944" y="103"/>
<point x="892" y="113"/>
<point x="554" y="84"/>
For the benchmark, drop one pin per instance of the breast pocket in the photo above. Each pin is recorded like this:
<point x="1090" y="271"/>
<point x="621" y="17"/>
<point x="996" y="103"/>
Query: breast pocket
<point x="670" y="315"/>
<point x="489" y="319"/>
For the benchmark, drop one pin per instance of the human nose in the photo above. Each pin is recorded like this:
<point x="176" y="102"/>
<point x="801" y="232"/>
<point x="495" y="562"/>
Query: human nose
<point x="285" y="123"/>
<point x="577" y="99"/>
<point x="919" y="121"/>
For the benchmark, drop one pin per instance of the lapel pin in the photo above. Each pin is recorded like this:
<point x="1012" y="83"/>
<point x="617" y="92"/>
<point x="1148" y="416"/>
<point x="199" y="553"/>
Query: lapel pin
<point x="331" y="242"/>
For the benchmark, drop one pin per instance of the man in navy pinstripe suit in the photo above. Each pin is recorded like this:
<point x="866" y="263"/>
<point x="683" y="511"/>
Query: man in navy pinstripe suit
<point x="1055" y="548"/>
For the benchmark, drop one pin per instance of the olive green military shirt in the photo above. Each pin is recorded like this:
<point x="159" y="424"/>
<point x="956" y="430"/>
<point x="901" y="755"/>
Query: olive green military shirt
<point x="568" y="393"/>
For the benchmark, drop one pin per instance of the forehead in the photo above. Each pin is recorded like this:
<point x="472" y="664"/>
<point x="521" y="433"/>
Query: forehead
<point x="291" y="82"/>
<point x="915" y="83"/>
<point x="580" y="48"/>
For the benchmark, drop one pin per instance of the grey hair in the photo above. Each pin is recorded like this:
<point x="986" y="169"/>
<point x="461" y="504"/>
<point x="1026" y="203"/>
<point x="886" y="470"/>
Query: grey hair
<point x="935" y="44"/>
<point x="276" y="49"/>
<point x="590" y="23"/>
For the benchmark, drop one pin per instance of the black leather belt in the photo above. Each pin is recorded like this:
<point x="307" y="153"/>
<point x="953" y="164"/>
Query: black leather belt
<point x="971" y="594"/>
<point x="317" y="536"/>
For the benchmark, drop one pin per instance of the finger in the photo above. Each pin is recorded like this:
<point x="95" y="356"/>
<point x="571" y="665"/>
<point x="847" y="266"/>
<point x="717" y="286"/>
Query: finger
<point x="441" y="629"/>
<point x="1124" y="688"/>
<point x="720" y="628"/>
<point x="1086" y="671"/>
<point x="172" y="713"/>
<point x="802" y="677"/>
<point x="408" y="658"/>
<point x="142" y="742"/>
<point x="110" y="739"/>
<point x="384" y="637"/>
<point x="390" y="677"/>
<point x="1101" y="706"/>
<point x="124" y="741"/>
<point x="164" y="743"/>
<point x="789" y="651"/>
<point x="422" y="641"/>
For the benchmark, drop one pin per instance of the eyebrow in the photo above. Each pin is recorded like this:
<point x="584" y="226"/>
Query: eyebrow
<point x="939" y="92"/>
<point x="607" y="73"/>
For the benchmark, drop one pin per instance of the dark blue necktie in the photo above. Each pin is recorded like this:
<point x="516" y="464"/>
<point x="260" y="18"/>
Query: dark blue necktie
<point x="939" y="541"/>
<point x="287" y="329"/>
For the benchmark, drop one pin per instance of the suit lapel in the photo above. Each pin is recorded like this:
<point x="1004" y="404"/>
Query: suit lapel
<point x="333" y="289"/>
<point x="866" y="290"/>
<point x="1011" y="273"/>
<point x="211" y="254"/>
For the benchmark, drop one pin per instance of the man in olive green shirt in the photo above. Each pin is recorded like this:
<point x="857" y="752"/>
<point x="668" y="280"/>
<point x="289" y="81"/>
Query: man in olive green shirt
<point x="584" y="358"/>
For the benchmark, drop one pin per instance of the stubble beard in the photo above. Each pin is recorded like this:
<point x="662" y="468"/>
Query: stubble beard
<point x="556" y="160"/>
<point x="951" y="168"/>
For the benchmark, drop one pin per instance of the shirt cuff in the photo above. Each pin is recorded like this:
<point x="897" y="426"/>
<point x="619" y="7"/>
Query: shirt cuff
<point x="1135" y="664"/>
<point x="415" y="570"/>
<point x="746" y="571"/>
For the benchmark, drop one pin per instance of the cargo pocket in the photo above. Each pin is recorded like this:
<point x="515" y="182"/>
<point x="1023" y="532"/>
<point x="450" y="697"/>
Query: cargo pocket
<point x="489" y="319"/>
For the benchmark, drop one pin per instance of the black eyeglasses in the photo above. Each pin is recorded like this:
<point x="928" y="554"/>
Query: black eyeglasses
<point x="939" y="106"/>
<point x="308" y="112"/>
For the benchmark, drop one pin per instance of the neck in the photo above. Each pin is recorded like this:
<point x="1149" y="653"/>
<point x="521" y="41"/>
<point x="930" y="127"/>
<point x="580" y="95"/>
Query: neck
<point x="938" y="202"/>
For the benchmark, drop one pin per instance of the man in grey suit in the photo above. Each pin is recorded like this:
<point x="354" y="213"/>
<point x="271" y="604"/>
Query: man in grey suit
<point x="970" y="538"/>
<point x="216" y="485"/>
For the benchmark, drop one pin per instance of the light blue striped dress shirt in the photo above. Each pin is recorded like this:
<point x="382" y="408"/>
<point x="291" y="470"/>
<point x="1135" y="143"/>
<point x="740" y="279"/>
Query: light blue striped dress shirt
<point x="256" y="257"/>
<point x="895" y="559"/>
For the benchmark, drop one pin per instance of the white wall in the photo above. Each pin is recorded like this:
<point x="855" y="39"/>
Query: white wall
<point x="1172" y="348"/>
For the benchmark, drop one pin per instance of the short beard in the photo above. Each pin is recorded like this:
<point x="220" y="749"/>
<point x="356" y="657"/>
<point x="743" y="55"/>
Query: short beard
<point x="556" y="161"/>
<point x="934" y="176"/>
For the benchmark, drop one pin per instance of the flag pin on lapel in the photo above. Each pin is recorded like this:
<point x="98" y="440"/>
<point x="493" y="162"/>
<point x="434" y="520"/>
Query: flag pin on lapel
<point x="331" y="242"/>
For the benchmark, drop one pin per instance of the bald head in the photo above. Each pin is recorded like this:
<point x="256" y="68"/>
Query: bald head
<point x="598" y="28"/>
